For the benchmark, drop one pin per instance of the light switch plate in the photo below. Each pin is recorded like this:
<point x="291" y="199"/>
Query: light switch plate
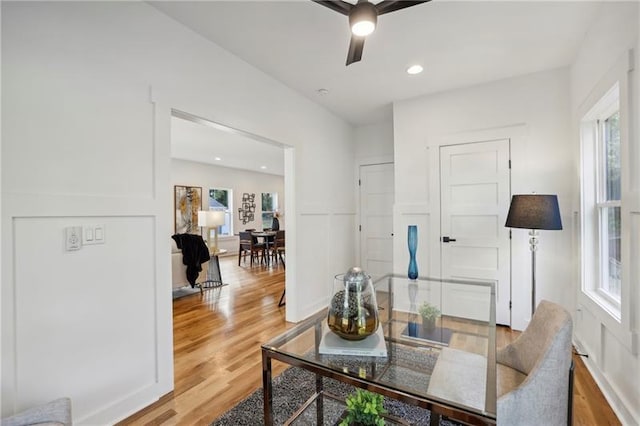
<point x="93" y="234"/>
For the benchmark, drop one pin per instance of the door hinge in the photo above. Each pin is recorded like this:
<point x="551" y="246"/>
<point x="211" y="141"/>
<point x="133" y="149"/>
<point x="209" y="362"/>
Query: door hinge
<point x="509" y="304"/>
<point x="360" y="228"/>
<point x="359" y="182"/>
<point x="509" y="164"/>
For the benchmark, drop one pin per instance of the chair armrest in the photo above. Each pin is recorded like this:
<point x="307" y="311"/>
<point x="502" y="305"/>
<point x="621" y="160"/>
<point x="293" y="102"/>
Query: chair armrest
<point x="508" y="355"/>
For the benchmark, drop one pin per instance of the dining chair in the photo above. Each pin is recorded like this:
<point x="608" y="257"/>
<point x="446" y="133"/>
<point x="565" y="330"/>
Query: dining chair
<point x="277" y="246"/>
<point x="249" y="244"/>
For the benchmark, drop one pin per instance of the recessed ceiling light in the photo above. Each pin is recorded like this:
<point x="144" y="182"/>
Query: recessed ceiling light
<point x="323" y="92"/>
<point x="263" y="167"/>
<point x="414" y="69"/>
<point x="218" y="158"/>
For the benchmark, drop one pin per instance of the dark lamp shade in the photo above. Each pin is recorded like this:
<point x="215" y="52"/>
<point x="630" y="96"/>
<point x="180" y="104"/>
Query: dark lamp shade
<point x="534" y="211"/>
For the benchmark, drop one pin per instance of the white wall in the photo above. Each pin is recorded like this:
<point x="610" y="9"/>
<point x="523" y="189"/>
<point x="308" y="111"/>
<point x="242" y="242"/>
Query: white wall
<point x="239" y="181"/>
<point x="533" y="111"/>
<point x="612" y="346"/>
<point x="88" y="89"/>
<point x="374" y="142"/>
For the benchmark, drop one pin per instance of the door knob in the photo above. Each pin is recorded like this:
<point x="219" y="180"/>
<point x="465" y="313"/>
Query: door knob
<point x="447" y="239"/>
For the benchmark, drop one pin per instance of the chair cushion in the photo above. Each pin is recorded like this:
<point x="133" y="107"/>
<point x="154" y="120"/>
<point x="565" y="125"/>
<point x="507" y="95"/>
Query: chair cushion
<point x="461" y="377"/>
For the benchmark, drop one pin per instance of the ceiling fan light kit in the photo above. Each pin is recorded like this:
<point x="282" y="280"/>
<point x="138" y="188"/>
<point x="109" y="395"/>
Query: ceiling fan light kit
<point x="363" y="17"/>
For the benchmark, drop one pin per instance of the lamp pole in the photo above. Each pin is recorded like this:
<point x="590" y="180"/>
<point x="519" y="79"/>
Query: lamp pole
<point x="533" y="245"/>
<point x="534" y="212"/>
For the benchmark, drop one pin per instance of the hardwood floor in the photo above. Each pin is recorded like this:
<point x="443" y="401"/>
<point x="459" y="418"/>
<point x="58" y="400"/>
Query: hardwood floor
<point x="217" y="340"/>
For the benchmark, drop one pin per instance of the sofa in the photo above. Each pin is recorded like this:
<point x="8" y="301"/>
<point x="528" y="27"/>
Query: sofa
<point x="179" y="269"/>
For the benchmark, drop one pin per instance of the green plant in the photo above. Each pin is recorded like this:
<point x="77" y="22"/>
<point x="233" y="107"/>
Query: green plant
<point x="428" y="312"/>
<point x="364" y="408"/>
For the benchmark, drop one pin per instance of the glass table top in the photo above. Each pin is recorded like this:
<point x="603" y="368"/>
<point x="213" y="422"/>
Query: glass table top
<point x="451" y="364"/>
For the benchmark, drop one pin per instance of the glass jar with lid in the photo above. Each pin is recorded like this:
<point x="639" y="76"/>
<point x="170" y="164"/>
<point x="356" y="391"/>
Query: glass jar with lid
<point x="353" y="311"/>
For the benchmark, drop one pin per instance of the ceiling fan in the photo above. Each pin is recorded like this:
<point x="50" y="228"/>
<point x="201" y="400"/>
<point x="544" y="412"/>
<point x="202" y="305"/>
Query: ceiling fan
<point x="363" y="17"/>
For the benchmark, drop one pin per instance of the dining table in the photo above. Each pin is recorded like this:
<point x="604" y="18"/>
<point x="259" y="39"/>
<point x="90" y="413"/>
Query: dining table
<point x="267" y="237"/>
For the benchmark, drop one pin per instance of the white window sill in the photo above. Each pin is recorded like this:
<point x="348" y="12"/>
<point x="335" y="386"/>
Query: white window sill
<point x="610" y="308"/>
<point x="226" y="237"/>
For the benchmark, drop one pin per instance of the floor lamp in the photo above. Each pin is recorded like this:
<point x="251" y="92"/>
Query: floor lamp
<point x="211" y="219"/>
<point x="534" y="212"/>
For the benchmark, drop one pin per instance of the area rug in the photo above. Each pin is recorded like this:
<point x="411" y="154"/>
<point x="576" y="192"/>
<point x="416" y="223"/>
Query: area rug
<point x="293" y="387"/>
<point x="188" y="291"/>
<point x="184" y="291"/>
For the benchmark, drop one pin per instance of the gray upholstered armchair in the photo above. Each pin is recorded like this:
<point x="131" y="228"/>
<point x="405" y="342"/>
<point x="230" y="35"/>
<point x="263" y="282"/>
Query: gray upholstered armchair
<point x="56" y="412"/>
<point x="533" y="371"/>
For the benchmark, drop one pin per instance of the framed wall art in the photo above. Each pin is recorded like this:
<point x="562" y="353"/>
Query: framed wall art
<point x="188" y="201"/>
<point x="248" y="210"/>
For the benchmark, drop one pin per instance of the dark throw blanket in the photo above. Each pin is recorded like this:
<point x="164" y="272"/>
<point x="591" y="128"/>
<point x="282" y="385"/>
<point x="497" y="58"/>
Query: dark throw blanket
<point x="194" y="253"/>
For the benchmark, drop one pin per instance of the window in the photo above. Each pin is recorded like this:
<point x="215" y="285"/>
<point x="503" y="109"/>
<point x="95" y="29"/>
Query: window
<point x="608" y="205"/>
<point x="269" y="207"/>
<point x="601" y="202"/>
<point x="221" y="199"/>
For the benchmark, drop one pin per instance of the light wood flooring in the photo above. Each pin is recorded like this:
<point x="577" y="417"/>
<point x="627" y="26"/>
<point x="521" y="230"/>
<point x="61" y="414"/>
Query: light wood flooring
<point x="217" y="340"/>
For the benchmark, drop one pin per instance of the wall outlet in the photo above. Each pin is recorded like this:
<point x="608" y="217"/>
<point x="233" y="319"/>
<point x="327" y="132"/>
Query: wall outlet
<point x="73" y="238"/>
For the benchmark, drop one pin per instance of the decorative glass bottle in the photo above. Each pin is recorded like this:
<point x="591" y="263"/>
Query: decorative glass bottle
<point x="412" y="239"/>
<point x="353" y="311"/>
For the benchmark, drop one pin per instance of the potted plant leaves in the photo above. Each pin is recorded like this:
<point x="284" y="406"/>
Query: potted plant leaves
<point x="364" y="408"/>
<point x="429" y="314"/>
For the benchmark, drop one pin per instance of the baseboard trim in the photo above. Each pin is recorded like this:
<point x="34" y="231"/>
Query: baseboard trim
<point x="619" y="405"/>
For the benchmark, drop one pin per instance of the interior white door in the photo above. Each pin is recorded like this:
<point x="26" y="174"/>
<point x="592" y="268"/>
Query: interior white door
<point x="475" y="194"/>
<point x="376" y="218"/>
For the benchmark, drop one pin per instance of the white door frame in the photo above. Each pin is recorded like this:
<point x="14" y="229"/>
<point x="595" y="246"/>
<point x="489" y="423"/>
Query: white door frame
<point x="370" y="161"/>
<point x="520" y="277"/>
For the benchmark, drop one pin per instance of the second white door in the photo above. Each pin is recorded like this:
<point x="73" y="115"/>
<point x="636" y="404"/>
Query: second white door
<point x="376" y="218"/>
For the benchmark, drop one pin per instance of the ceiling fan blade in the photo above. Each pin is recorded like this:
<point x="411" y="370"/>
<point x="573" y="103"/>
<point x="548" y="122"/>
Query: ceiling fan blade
<point x="355" y="49"/>
<point x="337" y="5"/>
<point x="387" y="6"/>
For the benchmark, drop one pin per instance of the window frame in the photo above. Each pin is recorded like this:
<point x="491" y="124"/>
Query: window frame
<point x="602" y="204"/>
<point x="595" y="206"/>
<point x="228" y="211"/>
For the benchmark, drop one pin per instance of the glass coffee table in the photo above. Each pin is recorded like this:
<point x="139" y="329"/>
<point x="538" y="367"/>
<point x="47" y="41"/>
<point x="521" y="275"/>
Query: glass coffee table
<point x="449" y="369"/>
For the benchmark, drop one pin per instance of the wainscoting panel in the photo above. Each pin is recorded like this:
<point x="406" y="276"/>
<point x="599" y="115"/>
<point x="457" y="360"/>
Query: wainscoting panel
<point x="342" y="243"/>
<point x="85" y="320"/>
<point x="312" y="271"/>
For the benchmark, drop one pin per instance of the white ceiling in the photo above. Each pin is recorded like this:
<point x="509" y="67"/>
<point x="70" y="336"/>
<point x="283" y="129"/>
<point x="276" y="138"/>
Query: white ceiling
<point x="459" y="43"/>
<point x="198" y="140"/>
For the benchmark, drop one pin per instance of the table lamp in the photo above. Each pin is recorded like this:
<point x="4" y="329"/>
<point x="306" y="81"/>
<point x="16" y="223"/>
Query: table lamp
<point x="534" y="212"/>
<point x="211" y="219"/>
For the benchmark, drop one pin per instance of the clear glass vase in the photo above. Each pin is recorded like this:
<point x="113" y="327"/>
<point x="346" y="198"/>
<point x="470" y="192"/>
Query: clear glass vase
<point x="353" y="311"/>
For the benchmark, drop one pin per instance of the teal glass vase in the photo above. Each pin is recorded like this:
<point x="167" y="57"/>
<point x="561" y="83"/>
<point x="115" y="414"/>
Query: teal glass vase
<point x="412" y="239"/>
